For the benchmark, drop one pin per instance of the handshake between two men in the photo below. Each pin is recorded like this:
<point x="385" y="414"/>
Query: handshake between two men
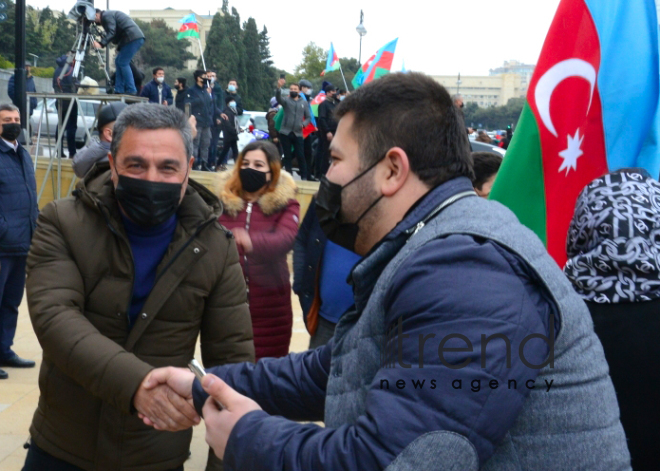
<point x="164" y="401"/>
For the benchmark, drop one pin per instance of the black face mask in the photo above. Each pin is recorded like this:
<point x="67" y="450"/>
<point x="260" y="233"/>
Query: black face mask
<point x="328" y="208"/>
<point x="252" y="180"/>
<point x="293" y="94"/>
<point x="148" y="203"/>
<point x="10" y="131"/>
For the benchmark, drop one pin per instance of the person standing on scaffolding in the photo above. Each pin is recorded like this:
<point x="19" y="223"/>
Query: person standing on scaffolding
<point x="121" y="30"/>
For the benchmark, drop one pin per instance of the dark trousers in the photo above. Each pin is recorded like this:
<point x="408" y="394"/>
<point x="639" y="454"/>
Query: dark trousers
<point x="12" y="284"/>
<point x="309" y="157"/>
<point x="323" y="156"/>
<point x="324" y="332"/>
<point x="70" y="127"/>
<point x="38" y="460"/>
<point x="226" y="146"/>
<point x="213" y="150"/>
<point x="292" y="141"/>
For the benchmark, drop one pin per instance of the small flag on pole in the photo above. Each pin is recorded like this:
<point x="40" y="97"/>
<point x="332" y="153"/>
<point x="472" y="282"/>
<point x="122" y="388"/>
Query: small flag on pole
<point x="376" y="66"/>
<point x="332" y="63"/>
<point x="189" y="28"/>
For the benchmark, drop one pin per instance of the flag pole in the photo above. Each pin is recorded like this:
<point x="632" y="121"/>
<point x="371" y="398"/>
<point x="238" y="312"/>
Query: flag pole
<point x="201" y="51"/>
<point x="342" y="75"/>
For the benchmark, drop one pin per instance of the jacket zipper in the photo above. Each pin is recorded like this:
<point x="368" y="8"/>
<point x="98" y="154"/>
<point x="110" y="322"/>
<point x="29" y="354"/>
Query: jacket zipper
<point x="420" y="225"/>
<point x="248" y="210"/>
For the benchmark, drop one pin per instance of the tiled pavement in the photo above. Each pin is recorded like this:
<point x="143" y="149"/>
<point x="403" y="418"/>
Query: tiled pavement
<point x="19" y="395"/>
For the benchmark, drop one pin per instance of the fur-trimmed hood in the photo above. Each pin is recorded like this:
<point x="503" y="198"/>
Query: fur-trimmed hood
<point x="270" y="202"/>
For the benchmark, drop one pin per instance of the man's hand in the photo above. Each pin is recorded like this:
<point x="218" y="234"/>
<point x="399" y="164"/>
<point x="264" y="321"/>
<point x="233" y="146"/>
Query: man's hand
<point x="276" y="139"/>
<point x="220" y="423"/>
<point x="224" y="116"/>
<point x="281" y="82"/>
<point x="217" y="121"/>
<point x="164" y="408"/>
<point x="97" y="45"/>
<point x="243" y="239"/>
<point x="165" y="102"/>
<point x="329" y="136"/>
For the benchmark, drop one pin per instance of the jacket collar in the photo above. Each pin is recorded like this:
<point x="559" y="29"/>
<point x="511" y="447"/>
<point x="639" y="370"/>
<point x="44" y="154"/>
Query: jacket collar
<point x="366" y="273"/>
<point x="4" y="147"/>
<point x="269" y="203"/>
<point x="199" y="205"/>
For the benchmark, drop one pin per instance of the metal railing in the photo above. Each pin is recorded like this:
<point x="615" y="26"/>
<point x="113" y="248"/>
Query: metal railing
<point x="55" y="154"/>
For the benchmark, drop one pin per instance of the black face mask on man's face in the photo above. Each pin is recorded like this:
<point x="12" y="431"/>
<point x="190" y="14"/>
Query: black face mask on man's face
<point x="10" y="131"/>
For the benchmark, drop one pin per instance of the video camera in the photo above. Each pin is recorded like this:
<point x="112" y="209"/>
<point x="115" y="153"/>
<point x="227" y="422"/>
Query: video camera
<point x="83" y="10"/>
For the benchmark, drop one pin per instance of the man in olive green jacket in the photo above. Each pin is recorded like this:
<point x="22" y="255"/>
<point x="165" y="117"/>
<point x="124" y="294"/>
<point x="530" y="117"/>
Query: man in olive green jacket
<point x="122" y="278"/>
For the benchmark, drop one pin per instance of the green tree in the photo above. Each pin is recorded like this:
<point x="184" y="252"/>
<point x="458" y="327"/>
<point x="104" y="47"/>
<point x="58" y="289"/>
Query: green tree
<point x="312" y="63"/>
<point x="7" y="29"/>
<point x="161" y="47"/>
<point x="253" y="91"/>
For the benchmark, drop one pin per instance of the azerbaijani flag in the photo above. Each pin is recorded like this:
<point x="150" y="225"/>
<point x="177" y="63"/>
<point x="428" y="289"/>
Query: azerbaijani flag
<point x="591" y="108"/>
<point x="316" y="101"/>
<point x="332" y="63"/>
<point x="376" y="66"/>
<point x="189" y="28"/>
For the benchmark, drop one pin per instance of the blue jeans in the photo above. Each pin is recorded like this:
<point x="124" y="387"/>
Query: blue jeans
<point x="124" y="82"/>
<point x="12" y="283"/>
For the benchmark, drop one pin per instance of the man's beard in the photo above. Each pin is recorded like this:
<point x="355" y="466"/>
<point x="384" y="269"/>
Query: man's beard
<point x="356" y="199"/>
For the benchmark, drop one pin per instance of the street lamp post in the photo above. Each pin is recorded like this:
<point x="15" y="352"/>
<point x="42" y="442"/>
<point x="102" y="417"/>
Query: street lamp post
<point x="361" y="30"/>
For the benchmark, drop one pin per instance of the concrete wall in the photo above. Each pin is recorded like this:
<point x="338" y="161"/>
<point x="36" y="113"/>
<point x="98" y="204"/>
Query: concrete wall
<point x="42" y="84"/>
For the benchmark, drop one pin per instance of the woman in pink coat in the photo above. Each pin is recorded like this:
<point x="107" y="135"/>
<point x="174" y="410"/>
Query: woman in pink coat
<point x="261" y="209"/>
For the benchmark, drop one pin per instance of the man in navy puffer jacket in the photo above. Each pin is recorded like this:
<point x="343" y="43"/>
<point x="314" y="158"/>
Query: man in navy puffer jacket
<point x="18" y="216"/>
<point x="467" y="347"/>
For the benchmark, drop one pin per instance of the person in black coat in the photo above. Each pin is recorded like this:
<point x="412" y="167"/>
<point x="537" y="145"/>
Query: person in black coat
<point x="202" y="108"/>
<point x="66" y="84"/>
<point x="320" y="271"/>
<point x="121" y="30"/>
<point x="18" y="200"/>
<point x="180" y="86"/>
<point x="29" y="87"/>
<point x="230" y="130"/>
<point x="327" y="125"/>
<point x="613" y="262"/>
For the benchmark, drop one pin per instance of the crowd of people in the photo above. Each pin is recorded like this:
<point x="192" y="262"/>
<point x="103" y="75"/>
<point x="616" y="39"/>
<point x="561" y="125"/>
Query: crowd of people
<point x="443" y="336"/>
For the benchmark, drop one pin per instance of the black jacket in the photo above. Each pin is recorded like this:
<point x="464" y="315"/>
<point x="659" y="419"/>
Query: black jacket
<point x="178" y="100"/>
<point x="29" y="87"/>
<point x="628" y="332"/>
<point x="237" y="99"/>
<point x="119" y="28"/>
<point x="230" y="125"/>
<point x="218" y="96"/>
<point x="326" y="120"/>
<point x="201" y="105"/>
<point x="150" y="91"/>
<point x="307" y="253"/>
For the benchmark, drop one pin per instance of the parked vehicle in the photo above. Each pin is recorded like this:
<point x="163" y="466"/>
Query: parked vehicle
<point x="47" y="122"/>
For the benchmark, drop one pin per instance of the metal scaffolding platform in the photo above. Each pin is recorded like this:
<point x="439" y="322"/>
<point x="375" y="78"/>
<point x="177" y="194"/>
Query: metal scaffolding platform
<point x="64" y="105"/>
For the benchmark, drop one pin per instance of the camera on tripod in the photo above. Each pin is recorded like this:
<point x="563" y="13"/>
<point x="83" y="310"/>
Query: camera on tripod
<point x="84" y="13"/>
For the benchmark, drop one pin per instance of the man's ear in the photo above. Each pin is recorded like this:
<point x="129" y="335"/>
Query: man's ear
<point x="394" y="172"/>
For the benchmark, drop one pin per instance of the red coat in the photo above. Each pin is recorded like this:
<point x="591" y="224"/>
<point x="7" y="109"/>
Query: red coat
<point x="273" y="228"/>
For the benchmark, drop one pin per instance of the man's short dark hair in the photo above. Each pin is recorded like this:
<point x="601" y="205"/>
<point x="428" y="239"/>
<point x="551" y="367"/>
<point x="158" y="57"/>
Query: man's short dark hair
<point x="182" y="81"/>
<point x="156" y="69"/>
<point x="233" y="80"/>
<point x="98" y="10"/>
<point x="486" y="164"/>
<point x="198" y="73"/>
<point x="229" y="98"/>
<point x="414" y="112"/>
